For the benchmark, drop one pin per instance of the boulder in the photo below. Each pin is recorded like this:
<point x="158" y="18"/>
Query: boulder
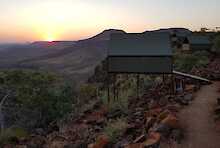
<point x="188" y="97"/>
<point x="153" y="140"/>
<point x="101" y="142"/>
<point x="171" y="121"/>
<point x="174" y="108"/>
<point x="150" y="122"/>
<point x="8" y="146"/>
<point x="217" y="110"/>
<point x="57" y="144"/>
<point x="37" y="141"/>
<point x="163" y="115"/>
<point x="123" y="143"/>
<point x="21" y="146"/>
<point x="190" y="88"/>
<point x="181" y="100"/>
<point x="162" y="128"/>
<point x="153" y="104"/>
<point x="218" y="100"/>
<point x="177" y="135"/>
<point x="163" y="101"/>
<point x="137" y="145"/>
<point x="153" y="112"/>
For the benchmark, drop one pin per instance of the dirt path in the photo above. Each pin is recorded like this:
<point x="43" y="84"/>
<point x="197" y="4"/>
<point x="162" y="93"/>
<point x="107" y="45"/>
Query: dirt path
<point x="198" y="121"/>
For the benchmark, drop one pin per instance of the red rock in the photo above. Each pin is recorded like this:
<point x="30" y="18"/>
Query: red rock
<point x="153" y="140"/>
<point x="217" y="126"/>
<point x="94" y="117"/>
<point x="171" y="121"/>
<point x="173" y="108"/>
<point x="190" y="88"/>
<point x="91" y="145"/>
<point x="21" y="146"/>
<point x="57" y="144"/>
<point x="150" y="122"/>
<point x="218" y="100"/>
<point x="163" y="115"/>
<point x="153" y="112"/>
<point x="38" y="141"/>
<point x="101" y="142"/>
<point x="217" y="110"/>
<point x="8" y="146"/>
<point x="137" y="145"/>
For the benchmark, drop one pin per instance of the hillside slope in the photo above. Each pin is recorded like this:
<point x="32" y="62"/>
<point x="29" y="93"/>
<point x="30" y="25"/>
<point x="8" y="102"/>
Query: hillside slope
<point x="75" y="60"/>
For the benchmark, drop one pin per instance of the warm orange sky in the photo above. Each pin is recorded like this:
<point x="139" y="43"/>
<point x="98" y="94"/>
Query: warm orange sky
<point x="30" y="20"/>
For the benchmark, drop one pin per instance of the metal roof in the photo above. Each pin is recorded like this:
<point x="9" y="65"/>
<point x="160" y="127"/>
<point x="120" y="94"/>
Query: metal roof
<point x="140" y="44"/>
<point x="199" y="39"/>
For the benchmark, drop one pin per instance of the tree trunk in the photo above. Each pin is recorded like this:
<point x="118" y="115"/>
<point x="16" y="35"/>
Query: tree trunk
<point x="2" y="121"/>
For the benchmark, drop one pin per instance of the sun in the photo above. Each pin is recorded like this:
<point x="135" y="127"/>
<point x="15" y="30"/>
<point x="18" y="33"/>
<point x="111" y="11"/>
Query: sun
<point x="50" y="38"/>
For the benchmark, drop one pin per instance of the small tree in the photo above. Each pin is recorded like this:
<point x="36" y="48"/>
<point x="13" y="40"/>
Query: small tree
<point x="186" y="62"/>
<point x="217" y="44"/>
<point x="38" y="98"/>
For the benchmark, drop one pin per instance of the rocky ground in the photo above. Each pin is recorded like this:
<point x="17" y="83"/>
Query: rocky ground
<point x="212" y="71"/>
<point x="152" y="120"/>
<point x="197" y="120"/>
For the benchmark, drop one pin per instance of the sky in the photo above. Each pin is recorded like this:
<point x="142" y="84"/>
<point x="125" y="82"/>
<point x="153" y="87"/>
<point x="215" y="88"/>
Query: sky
<point x="34" y="20"/>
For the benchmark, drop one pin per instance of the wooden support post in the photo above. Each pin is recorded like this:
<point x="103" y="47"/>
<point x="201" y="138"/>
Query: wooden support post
<point x="174" y="84"/>
<point x="118" y="89"/>
<point x="114" y="86"/>
<point x="184" y="84"/>
<point x="172" y="91"/>
<point x="138" y="83"/>
<point x="108" y="91"/>
<point x="163" y="78"/>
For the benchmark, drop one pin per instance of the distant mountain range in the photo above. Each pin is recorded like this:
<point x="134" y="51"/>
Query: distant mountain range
<point x="74" y="59"/>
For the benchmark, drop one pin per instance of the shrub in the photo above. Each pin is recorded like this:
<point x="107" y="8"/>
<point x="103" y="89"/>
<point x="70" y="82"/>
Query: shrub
<point x="115" y="129"/>
<point x="9" y="134"/>
<point x="217" y="44"/>
<point x="186" y="62"/>
<point x="36" y="97"/>
<point x="87" y="92"/>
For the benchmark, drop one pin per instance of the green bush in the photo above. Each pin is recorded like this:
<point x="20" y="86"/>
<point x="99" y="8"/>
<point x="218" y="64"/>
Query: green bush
<point x="126" y="90"/>
<point x="185" y="62"/>
<point x="87" y="92"/>
<point x="115" y="129"/>
<point x="217" y="44"/>
<point x="37" y="98"/>
<point x="12" y="133"/>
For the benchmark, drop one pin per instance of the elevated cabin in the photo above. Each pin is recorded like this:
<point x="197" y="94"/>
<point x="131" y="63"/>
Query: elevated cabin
<point x="177" y="40"/>
<point x="194" y="43"/>
<point x="174" y="37"/>
<point x="185" y="45"/>
<point x="140" y="53"/>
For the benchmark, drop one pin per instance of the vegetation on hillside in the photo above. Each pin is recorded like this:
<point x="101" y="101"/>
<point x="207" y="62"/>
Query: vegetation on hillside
<point x="217" y="44"/>
<point x="34" y="100"/>
<point x="115" y="129"/>
<point x="186" y="62"/>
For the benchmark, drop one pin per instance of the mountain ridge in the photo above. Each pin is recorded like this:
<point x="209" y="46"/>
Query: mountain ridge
<point x="75" y="59"/>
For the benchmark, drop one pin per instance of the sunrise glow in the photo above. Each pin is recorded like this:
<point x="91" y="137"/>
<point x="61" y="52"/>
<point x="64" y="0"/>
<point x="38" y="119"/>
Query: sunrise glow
<point x="76" y="19"/>
<point x="50" y="39"/>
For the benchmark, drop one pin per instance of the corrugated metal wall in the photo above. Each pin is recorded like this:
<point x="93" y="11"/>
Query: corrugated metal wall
<point x="140" y="64"/>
